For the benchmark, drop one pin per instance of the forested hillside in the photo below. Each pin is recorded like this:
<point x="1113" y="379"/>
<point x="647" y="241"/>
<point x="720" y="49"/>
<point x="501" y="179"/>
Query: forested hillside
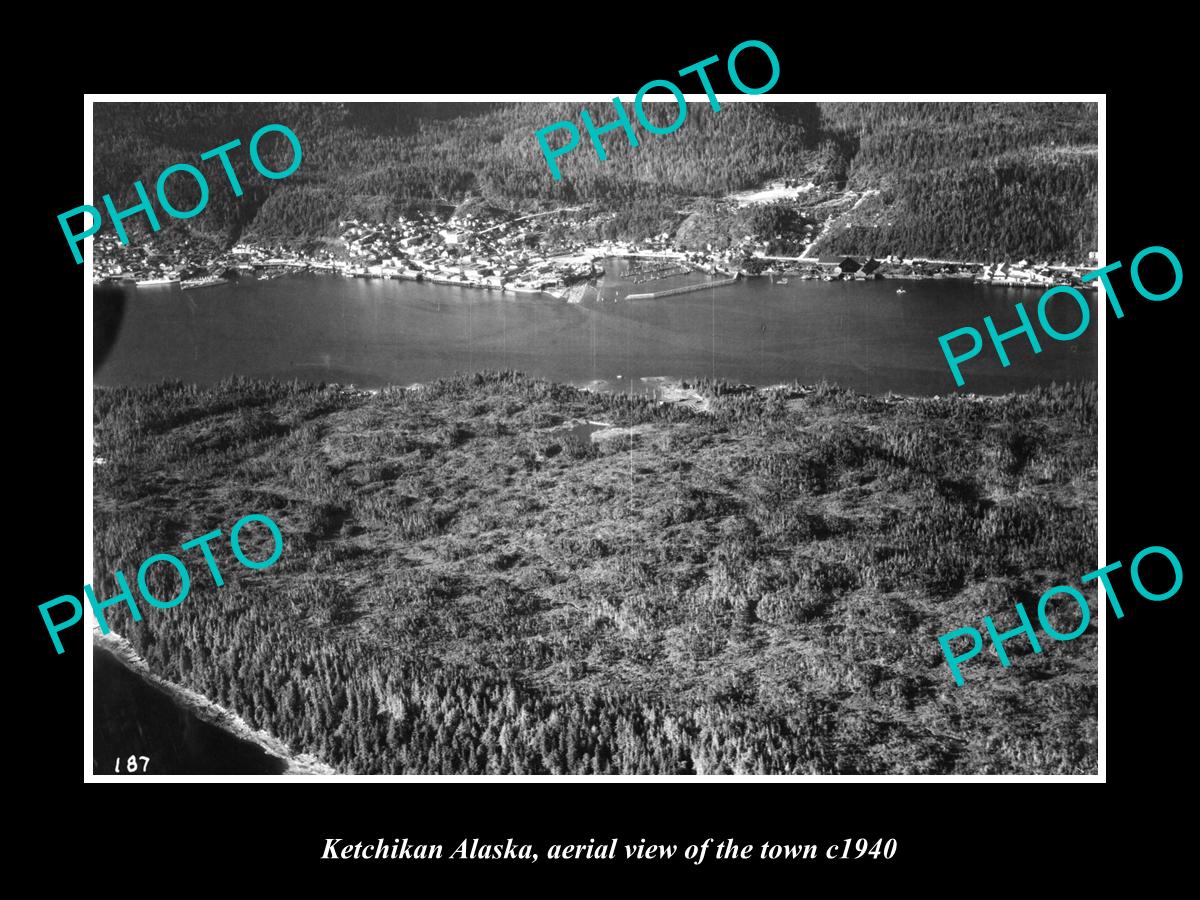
<point x="955" y="180"/>
<point x="467" y="588"/>
<point x="966" y="181"/>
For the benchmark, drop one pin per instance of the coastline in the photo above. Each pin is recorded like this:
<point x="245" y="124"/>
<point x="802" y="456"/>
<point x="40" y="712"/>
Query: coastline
<point x="680" y="391"/>
<point x="208" y="711"/>
<point x="574" y="293"/>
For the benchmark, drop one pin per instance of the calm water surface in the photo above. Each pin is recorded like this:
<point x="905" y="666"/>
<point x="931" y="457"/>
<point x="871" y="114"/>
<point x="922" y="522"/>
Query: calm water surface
<point x="131" y="716"/>
<point x="371" y="332"/>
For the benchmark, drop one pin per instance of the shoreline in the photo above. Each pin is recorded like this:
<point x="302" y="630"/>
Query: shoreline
<point x="662" y="389"/>
<point x="678" y="391"/>
<point x="208" y="711"/>
<point x="573" y="293"/>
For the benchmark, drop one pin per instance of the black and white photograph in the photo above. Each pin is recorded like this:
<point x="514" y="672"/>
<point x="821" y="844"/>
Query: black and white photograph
<point x="494" y="437"/>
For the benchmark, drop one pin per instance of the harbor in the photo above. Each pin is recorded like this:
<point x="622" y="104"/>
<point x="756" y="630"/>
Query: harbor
<point x="532" y="254"/>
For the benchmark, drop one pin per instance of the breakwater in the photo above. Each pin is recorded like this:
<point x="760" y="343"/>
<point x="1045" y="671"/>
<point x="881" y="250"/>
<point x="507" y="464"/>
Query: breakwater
<point x="686" y="289"/>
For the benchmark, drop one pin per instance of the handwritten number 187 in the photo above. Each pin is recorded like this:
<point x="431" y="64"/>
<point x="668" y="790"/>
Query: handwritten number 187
<point x="131" y="764"/>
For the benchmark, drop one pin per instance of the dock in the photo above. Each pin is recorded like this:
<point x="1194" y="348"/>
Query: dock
<point x="686" y="289"/>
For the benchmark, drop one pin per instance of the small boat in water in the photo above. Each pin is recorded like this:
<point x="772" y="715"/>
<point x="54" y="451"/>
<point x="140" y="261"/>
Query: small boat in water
<point x="901" y="291"/>
<point x="782" y="281"/>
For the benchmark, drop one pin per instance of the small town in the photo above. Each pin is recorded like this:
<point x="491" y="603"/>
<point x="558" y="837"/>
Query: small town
<point x="515" y="255"/>
<point x="689" y="464"/>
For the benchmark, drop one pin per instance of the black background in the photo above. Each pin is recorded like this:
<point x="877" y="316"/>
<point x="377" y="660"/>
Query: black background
<point x="951" y="836"/>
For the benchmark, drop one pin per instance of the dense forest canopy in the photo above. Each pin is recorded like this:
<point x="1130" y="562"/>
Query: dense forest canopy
<point x="467" y="589"/>
<point x="971" y="181"/>
<point x="954" y="180"/>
